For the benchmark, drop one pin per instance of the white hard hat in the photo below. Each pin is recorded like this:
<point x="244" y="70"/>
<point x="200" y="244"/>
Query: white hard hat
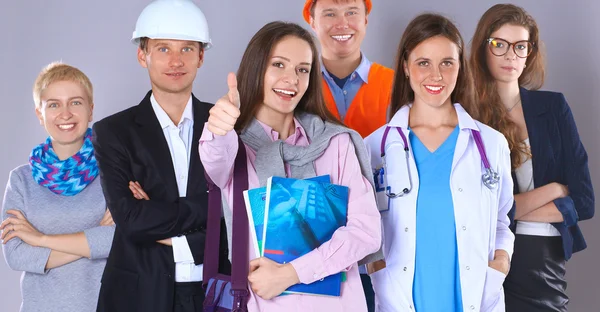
<point x="172" y="19"/>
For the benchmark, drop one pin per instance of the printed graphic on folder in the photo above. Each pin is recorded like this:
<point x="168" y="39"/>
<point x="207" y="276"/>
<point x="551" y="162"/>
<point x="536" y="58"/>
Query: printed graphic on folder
<point x="255" y="207"/>
<point x="300" y="216"/>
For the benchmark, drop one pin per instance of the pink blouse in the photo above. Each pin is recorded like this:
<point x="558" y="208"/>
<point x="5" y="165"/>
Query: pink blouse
<point x="349" y="244"/>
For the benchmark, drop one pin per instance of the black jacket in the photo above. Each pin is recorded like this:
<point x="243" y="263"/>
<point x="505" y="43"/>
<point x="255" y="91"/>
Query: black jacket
<point x="559" y="156"/>
<point x="130" y="146"/>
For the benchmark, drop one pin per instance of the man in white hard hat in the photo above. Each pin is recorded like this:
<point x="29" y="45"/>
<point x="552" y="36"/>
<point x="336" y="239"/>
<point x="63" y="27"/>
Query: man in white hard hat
<point x="151" y="173"/>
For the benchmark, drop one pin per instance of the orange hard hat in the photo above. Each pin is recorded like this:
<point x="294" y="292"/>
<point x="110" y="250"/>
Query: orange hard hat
<point x="309" y="3"/>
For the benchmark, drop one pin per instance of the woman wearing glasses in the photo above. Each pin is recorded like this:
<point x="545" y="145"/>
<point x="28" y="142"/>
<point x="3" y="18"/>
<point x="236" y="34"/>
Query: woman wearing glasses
<point x="443" y="183"/>
<point x="552" y="180"/>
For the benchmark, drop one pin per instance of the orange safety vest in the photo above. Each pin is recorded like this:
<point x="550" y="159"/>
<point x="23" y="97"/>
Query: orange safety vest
<point x="368" y="110"/>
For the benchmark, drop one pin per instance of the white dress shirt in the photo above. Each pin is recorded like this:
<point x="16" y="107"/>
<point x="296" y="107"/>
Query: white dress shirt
<point x="481" y="215"/>
<point x="179" y="138"/>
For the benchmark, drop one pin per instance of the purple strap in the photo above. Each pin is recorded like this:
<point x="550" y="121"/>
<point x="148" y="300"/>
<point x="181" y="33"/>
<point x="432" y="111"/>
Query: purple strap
<point x="385" y="134"/>
<point x="239" y="246"/>
<point x="481" y="148"/>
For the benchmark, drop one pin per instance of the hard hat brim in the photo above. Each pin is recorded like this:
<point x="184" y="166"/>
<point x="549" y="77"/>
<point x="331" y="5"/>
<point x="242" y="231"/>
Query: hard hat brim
<point x="136" y="39"/>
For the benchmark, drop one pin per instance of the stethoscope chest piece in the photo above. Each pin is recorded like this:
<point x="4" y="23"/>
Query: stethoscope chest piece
<point x="490" y="178"/>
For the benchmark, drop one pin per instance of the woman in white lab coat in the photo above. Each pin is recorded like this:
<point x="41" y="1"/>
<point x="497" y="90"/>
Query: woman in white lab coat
<point x="443" y="181"/>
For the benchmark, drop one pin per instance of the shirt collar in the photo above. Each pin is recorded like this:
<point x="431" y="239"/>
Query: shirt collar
<point x="465" y="121"/>
<point x="362" y="70"/>
<point x="297" y="138"/>
<point x="163" y="117"/>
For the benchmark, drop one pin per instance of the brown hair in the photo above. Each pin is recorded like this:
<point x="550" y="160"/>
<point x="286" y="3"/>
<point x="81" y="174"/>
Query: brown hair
<point x="58" y="71"/>
<point x="493" y="112"/>
<point x="421" y="28"/>
<point x="144" y="44"/>
<point x="251" y="73"/>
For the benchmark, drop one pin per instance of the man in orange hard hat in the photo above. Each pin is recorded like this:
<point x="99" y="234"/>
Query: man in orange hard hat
<point x="356" y="90"/>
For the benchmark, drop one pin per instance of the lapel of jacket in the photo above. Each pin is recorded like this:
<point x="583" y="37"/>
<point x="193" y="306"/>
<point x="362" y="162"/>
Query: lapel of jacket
<point x="537" y="128"/>
<point x="153" y="139"/>
<point x="196" y="180"/>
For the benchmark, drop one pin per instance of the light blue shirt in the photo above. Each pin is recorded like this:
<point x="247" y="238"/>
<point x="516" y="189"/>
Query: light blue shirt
<point x="344" y="96"/>
<point x="436" y="285"/>
<point x="179" y="139"/>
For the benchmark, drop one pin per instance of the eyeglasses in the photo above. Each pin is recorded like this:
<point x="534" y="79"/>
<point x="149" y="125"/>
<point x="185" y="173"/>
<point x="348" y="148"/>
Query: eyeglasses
<point x="500" y="47"/>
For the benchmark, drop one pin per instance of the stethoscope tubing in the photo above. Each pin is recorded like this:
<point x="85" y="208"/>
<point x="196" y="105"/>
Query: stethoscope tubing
<point x="489" y="178"/>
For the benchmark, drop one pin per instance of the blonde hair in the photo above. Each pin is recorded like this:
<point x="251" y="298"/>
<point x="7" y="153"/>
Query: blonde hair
<point x="58" y="71"/>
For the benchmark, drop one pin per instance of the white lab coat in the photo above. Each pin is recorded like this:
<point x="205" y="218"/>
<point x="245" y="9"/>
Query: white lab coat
<point x="480" y="216"/>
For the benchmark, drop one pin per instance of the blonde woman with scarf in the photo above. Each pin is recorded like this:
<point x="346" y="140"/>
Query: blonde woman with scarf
<point x="56" y="227"/>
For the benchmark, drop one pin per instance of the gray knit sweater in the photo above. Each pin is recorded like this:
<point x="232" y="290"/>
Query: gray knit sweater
<point x="71" y="287"/>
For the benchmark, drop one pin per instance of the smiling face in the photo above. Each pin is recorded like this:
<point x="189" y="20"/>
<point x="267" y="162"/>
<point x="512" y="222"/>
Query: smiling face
<point x="340" y="27"/>
<point x="433" y="67"/>
<point x="65" y="111"/>
<point x="286" y="77"/>
<point x="508" y="67"/>
<point x="172" y="64"/>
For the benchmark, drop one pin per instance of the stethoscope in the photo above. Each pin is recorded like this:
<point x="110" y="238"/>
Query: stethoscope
<point x="490" y="178"/>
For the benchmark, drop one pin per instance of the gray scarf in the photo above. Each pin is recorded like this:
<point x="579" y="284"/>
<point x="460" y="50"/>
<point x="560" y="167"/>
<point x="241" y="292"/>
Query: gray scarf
<point x="271" y="156"/>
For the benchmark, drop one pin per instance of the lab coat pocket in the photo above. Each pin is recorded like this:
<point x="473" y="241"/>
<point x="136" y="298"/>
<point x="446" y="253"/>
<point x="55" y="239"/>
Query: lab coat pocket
<point x="384" y="301"/>
<point x="493" y="293"/>
<point x="388" y="223"/>
<point x="382" y="202"/>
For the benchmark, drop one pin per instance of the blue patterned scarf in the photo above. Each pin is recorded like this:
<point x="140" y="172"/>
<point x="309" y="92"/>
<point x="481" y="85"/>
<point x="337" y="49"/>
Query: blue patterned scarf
<point x="64" y="177"/>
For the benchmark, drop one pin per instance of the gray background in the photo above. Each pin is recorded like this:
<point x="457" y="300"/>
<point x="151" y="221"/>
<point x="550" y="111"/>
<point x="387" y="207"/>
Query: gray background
<point x="94" y="36"/>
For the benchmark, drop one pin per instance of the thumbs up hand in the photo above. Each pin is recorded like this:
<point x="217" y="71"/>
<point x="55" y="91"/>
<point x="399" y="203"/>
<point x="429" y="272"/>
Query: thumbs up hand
<point x="226" y="111"/>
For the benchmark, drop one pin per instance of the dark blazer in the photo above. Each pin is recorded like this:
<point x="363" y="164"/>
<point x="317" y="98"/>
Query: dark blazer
<point x="559" y="156"/>
<point x="131" y="146"/>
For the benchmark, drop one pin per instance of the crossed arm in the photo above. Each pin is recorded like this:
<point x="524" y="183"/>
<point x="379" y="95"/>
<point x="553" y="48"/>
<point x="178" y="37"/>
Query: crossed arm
<point x="138" y="193"/>
<point x="27" y="249"/>
<point x="538" y="204"/>
<point x="554" y="202"/>
<point x="64" y="248"/>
